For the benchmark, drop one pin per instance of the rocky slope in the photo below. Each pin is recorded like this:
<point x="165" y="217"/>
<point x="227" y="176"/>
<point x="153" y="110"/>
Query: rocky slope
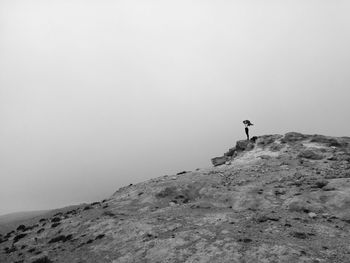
<point x="273" y="199"/>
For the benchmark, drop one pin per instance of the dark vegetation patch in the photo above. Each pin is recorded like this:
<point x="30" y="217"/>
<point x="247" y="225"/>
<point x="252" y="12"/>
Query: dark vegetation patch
<point x="42" y="220"/>
<point x="40" y="230"/>
<point x="71" y="212"/>
<point x="9" y="234"/>
<point x="320" y="184"/>
<point x="89" y="241"/>
<point x="108" y="213"/>
<point x="55" y="225"/>
<point x="31" y="250"/>
<point x="42" y="260"/>
<point x="55" y="219"/>
<point x="18" y="237"/>
<point x="180" y="199"/>
<point x="21" y="228"/>
<point x="148" y="237"/>
<point x="58" y="214"/>
<point x="245" y="240"/>
<point x="301" y="235"/>
<point x="60" y="238"/>
<point x="100" y="236"/>
<point x="183" y="172"/>
<point x="265" y="218"/>
<point x="9" y="250"/>
<point x="95" y="203"/>
<point x="87" y="208"/>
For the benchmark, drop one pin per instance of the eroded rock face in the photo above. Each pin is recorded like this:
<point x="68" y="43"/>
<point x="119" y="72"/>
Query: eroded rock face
<point x="274" y="202"/>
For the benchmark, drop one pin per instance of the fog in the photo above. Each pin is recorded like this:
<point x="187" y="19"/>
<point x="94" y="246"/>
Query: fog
<point x="95" y="95"/>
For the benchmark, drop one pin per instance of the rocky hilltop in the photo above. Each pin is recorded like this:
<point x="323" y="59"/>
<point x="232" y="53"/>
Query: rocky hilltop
<point x="276" y="198"/>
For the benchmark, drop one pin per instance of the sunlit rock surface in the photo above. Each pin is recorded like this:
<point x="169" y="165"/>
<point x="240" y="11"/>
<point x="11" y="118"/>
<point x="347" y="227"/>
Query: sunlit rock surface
<point x="275" y="199"/>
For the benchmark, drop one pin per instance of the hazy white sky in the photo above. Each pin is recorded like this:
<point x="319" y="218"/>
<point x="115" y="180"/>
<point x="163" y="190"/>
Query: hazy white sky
<point x="97" y="94"/>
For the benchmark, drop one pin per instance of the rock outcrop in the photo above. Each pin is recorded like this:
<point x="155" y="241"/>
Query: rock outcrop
<point x="275" y="199"/>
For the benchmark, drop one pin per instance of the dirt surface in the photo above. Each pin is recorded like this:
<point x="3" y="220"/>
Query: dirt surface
<point x="278" y="199"/>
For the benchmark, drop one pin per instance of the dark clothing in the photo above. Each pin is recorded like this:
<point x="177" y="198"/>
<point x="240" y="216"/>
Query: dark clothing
<point x="247" y="132"/>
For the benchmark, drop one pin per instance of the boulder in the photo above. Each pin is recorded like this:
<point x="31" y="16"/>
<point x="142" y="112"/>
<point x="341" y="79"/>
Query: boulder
<point x="244" y="145"/>
<point x="308" y="154"/>
<point x="230" y="152"/>
<point x="219" y="160"/>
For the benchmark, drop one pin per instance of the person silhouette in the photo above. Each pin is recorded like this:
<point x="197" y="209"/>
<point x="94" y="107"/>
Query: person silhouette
<point x="247" y="123"/>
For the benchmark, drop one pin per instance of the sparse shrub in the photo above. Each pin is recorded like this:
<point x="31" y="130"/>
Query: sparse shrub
<point x="100" y="236"/>
<point x="89" y="241"/>
<point x="183" y="172"/>
<point x="245" y="240"/>
<point x="55" y="225"/>
<point x="300" y="235"/>
<point x="108" y="213"/>
<point x="42" y="260"/>
<point x="320" y="183"/>
<point x="58" y="214"/>
<point x="60" y="238"/>
<point x="18" y="237"/>
<point x="42" y="220"/>
<point x="95" y="203"/>
<point x="55" y="219"/>
<point x="9" y="234"/>
<point x="40" y="230"/>
<point x="87" y="208"/>
<point x="21" y="228"/>
<point x="10" y="250"/>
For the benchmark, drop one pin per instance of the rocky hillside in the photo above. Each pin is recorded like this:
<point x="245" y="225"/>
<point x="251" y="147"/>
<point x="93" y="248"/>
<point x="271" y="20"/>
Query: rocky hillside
<point x="272" y="199"/>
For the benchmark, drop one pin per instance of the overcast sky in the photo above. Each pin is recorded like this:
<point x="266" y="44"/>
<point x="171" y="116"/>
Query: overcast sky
<point x="97" y="94"/>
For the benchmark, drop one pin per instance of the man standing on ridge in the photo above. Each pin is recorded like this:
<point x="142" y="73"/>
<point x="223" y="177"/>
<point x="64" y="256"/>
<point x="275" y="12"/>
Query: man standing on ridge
<point x="247" y="123"/>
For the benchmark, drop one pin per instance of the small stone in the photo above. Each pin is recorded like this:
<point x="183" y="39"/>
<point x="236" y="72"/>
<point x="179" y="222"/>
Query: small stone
<point x="312" y="215"/>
